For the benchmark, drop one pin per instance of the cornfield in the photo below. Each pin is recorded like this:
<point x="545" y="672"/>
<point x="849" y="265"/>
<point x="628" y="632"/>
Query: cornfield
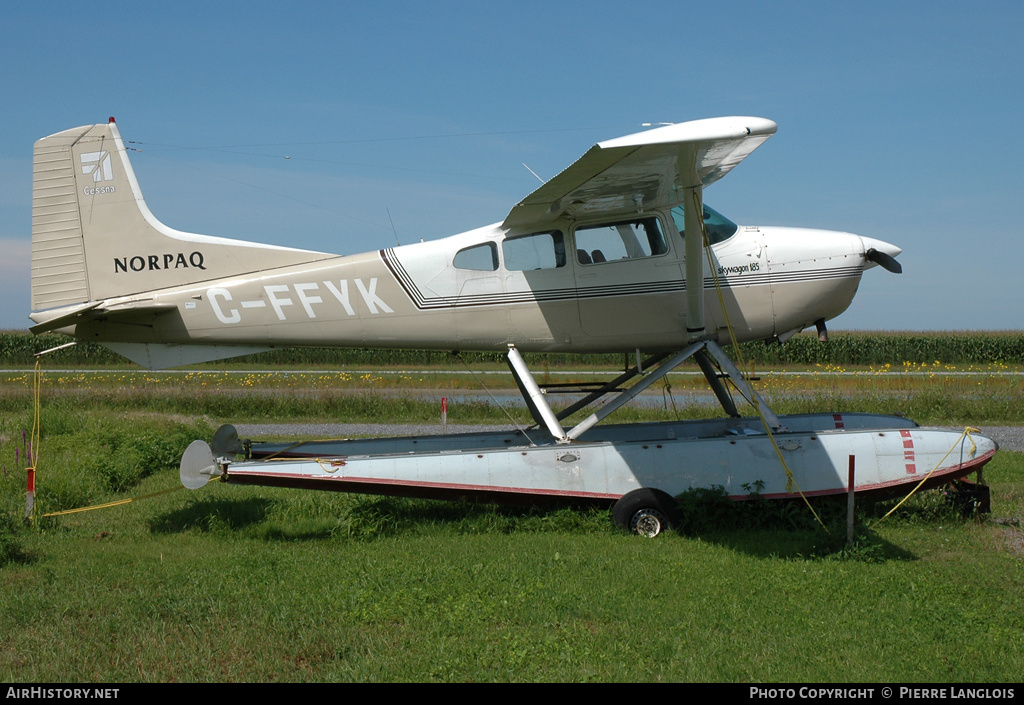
<point x="18" y="348"/>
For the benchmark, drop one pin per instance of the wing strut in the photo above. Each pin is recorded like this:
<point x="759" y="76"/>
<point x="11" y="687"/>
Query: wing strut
<point x="693" y="214"/>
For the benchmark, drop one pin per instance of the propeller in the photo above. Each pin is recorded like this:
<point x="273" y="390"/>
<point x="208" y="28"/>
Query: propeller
<point x="883" y="260"/>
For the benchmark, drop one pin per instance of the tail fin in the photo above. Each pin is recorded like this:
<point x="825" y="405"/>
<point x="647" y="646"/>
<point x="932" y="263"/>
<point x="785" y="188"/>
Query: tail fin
<point x="94" y="238"/>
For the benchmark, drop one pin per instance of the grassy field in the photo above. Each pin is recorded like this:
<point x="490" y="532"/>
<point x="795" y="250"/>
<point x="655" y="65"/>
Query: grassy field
<point x="251" y="584"/>
<point x="936" y="393"/>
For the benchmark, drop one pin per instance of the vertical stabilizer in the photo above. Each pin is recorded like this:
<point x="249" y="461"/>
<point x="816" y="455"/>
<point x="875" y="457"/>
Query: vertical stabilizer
<point x="94" y="238"/>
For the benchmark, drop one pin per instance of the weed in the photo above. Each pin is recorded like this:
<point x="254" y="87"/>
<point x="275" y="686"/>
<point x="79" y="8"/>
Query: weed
<point x="709" y="509"/>
<point x="11" y="548"/>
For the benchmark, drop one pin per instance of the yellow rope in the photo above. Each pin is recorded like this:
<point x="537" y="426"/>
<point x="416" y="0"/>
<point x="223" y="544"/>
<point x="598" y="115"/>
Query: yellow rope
<point x="113" y="504"/>
<point x="37" y="430"/>
<point x="273" y="456"/>
<point x="33" y="442"/>
<point x="974" y="447"/>
<point x="37" y="413"/>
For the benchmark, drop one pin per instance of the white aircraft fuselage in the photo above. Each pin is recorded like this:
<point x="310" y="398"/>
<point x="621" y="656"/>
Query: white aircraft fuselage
<point x="565" y="279"/>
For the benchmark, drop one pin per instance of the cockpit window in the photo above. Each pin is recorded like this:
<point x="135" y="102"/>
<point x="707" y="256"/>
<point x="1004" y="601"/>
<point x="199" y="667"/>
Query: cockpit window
<point x="718" y="227"/>
<point x="481" y="258"/>
<point x="620" y="241"/>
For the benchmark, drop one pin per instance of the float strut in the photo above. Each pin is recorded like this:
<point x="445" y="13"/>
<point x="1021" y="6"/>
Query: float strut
<point x="535" y="399"/>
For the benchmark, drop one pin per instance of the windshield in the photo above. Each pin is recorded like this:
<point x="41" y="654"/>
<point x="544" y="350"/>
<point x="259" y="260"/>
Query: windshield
<point x="719" y="228"/>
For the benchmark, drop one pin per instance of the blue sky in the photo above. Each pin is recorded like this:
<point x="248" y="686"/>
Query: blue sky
<point x="896" y="121"/>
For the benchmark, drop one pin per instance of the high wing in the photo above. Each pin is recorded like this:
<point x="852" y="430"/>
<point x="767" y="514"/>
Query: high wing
<point x="643" y="171"/>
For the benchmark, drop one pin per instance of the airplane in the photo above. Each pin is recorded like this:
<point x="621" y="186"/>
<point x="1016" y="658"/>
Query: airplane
<point x="598" y="259"/>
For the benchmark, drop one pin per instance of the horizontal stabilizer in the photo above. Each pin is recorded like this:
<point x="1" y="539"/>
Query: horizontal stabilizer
<point x="73" y="317"/>
<point x="96" y="309"/>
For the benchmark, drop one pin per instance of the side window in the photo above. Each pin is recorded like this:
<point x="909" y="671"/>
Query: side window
<point x="632" y="239"/>
<point x="540" y="251"/>
<point x="482" y="258"/>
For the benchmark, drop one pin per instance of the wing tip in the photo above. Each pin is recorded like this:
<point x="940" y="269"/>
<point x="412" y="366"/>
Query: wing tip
<point x="719" y="128"/>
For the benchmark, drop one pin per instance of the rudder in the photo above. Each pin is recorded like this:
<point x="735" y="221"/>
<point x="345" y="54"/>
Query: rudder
<point x="58" y="248"/>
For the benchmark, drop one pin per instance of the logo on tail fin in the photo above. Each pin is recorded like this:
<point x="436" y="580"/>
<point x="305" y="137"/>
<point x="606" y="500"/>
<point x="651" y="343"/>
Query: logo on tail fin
<point x="97" y="164"/>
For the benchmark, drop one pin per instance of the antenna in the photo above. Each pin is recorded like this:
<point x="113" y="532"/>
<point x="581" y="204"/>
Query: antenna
<point x="392" y="226"/>
<point x="534" y="173"/>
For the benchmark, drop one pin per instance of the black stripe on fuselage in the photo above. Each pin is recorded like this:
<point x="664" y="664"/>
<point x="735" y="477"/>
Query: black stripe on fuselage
<point x="593" y="292"/>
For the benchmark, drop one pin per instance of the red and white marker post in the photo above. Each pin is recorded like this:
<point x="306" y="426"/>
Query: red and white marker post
<point x="30" y="495"/>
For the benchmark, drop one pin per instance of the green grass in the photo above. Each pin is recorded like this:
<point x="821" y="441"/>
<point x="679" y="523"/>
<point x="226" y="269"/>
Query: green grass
<point x="236" y="583"/>
<point x="927" y="393"/>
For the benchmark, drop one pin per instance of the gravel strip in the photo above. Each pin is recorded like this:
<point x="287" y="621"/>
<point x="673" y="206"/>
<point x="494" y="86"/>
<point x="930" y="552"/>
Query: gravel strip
<point x="1008" y="437"/>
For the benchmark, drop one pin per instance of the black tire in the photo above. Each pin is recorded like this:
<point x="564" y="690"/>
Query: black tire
<point x="646" y="512"/>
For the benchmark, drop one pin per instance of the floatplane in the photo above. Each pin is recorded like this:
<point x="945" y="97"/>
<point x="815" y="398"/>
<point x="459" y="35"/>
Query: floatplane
<point x="617" y="253"/>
